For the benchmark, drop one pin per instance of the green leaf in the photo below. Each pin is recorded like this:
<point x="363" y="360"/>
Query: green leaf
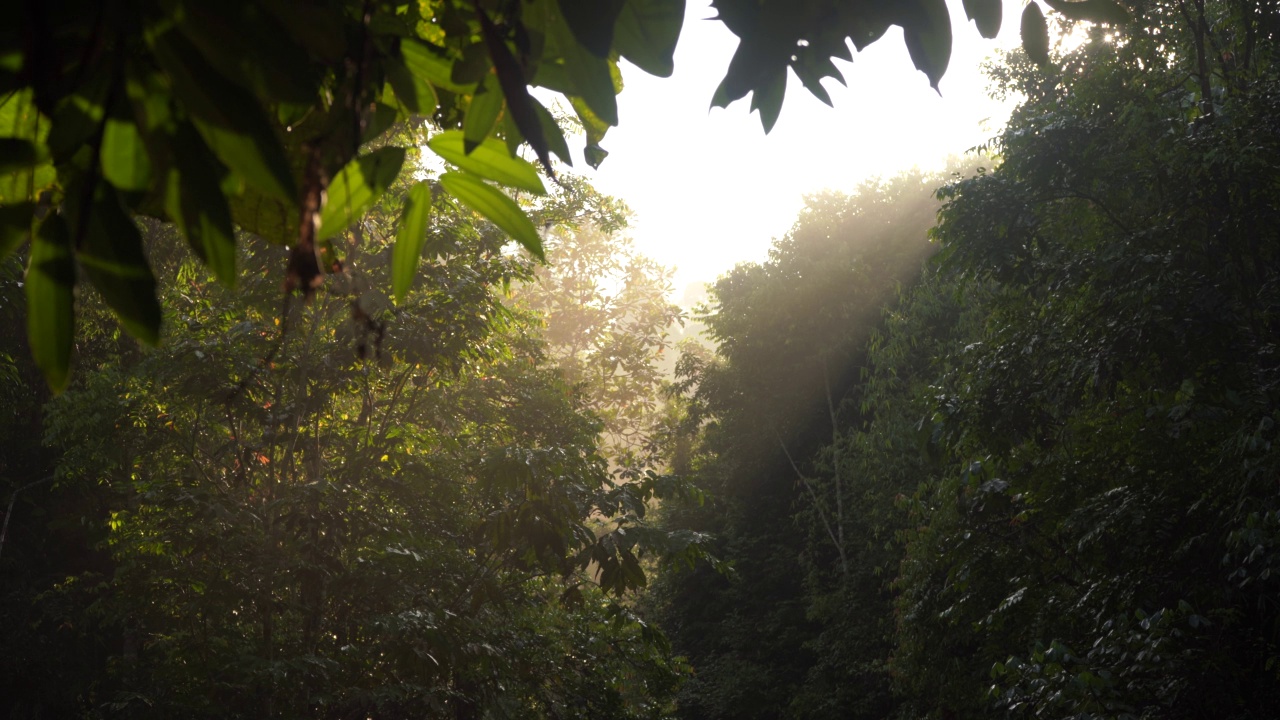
<point x="15" y="226"/>
<point x="357" y="187"/>
<point x="267" y="217"/>
<point x="50" y="285"/>
<point x="1035" y="34"/>
<point x="410" y="239"/>
<point x="986" y="14"/>
<point x="427" y="65"/>
<point x="592" y="77"/>
<point x="647" y="32"/>
<point x="1097" y="11"/>
<point x="495" y="206"/>
<point x="592" y="23"/>
<point x="482" y="113"/>
<point x="195" y="202"/>
<point x="112" y="256"/>
<point x="489" y="160"/>
<point x="412" y="90"/>
<point x="124" y="158"/>
<point x="25" y="167"/>
<point x="229" y="117"/>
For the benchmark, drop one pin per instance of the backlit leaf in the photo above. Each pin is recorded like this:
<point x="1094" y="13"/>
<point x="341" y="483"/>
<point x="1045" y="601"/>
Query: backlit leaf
<point x="486" y="106"/>
<point x="410" y="239"/>
<point x="592" y="23"/>
<point x="986" y="14"/>
<point x="357" y="187"/>
<point x="495" y="206"/>
<point x="489" y="160"/>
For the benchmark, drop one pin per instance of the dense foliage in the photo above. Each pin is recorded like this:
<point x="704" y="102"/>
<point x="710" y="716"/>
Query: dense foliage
<point x="256" y="116"/>
<point x="350" y="506"/>
<point x="1049" y="488"/>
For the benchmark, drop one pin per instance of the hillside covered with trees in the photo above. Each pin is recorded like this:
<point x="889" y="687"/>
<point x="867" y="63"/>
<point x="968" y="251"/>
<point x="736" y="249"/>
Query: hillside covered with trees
<point x="991" y="443"/>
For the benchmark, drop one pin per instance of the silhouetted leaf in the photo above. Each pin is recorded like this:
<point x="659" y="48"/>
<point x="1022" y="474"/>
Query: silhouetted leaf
<point x="50" y="283"/>
<point x="1098" y="11"/>
<point x="1035" y="34"/>
<point x="15" y="226"/>
<point x="986" y="14"/>
<point x="646" y="34"/>
<point x="592" y="23"/>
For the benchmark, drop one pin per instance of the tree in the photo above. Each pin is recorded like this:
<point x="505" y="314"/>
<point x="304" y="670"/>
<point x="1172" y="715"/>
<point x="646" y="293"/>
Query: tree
<point x="607" y="320"/>
<point x="253" y="115"/>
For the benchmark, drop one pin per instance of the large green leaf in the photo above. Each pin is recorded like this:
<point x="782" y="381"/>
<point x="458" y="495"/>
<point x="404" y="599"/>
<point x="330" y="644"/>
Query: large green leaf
<point x="482" y="113"/>
<point x="413" y="92"/>
<point x="495" y="206"/>
<point x="112" y="256"/>
<point x="357" y="187"/>
<point x="229" y="117"/>
<point x="50" y="285"/>
<point x="124" y="158"/>
<point x="489" y="159"/>
<point x="195" y="202"/>
<point x="593" y="78"/>
<point x="410" y="239"/>
<point x="25" y="167"/>
<point x="647" y="32"/>
<point x="428" y="65"/>
<point x="592" y="23"/>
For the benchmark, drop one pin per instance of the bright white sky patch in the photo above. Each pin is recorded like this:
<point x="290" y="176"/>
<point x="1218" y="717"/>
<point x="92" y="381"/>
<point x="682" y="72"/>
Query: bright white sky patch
<point x="710" y="189"/>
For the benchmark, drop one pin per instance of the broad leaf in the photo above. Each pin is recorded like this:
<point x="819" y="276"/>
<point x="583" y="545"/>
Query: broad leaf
<point x="489" y="159"/>
<point x="1035" y="34"/>
<point x="592" y="23"/>
<point x="229" y="117"/>
<point x="426" y="64"/>
<point x="195" y="202"/>
<point x="25" y="167"/>
<point x="928" y="38"/>
<point x="357" y="187"/>
<point x="112" y="256"/>
<point x="767" y="98"/>
<point x="410" y="239"/>
<point x="496" y="207"/>
<point x="647" y="32"/>
<point x="482" y="113"/>
<point x="593" y="78"/>
<point x="413" y="92"/>
<point x="986" y="14"/>
<point x="50" y="284"/>
<point x="124" y="158"/>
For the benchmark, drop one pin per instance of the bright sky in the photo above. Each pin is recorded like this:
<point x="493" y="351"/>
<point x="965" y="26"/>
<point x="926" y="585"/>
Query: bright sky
<point x="710" y="189"/>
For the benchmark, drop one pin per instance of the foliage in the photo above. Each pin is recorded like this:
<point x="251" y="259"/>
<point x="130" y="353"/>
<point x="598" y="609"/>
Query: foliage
<point x="253" y="116"/>
<point x="607" y="320"/>
<point x="789" y="334"/>
<point x="348" y="506"/>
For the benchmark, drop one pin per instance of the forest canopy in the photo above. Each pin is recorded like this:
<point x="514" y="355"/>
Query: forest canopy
<point x="272" y="118"/>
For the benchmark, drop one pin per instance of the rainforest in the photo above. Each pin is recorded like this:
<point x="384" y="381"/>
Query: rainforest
<point x="334" y="391"/>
